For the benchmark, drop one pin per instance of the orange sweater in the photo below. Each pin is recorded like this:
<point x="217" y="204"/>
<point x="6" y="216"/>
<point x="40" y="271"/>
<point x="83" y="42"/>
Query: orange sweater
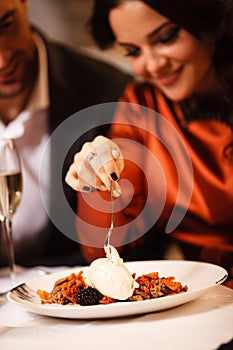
<point x="177" y="176"/>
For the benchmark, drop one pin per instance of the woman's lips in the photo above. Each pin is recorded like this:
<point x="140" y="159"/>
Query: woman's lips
<point x="169" y="78"/>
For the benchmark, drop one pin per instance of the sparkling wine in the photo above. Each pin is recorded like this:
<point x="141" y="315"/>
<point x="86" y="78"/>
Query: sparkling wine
<point x="10" y="193"/>
<point x="10" y="196"/>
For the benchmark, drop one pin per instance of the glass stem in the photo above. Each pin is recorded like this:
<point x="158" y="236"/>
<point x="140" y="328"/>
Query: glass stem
<point x="10" y="245"/>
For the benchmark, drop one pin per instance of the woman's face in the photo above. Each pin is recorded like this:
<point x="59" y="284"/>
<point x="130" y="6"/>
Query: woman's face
<point x="162" y="53"/>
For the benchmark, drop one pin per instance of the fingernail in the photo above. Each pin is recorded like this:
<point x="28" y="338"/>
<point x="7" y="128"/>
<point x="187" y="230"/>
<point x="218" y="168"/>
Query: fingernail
<point x="103" y="188"/>
<point x="116" y="192"/>
<point x="86" y="189"/>
<point x="114" y="176"/>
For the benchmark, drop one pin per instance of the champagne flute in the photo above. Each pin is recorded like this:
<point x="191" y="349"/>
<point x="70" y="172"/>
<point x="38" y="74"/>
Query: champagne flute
<point x="10" y="194"/>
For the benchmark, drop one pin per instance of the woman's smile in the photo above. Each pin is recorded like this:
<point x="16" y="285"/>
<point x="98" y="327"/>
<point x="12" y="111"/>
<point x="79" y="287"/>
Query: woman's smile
<point x="168" y="78"/>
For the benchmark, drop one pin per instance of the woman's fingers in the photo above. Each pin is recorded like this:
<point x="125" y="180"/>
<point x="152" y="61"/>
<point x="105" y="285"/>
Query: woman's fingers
<point x="98" y="162"/>
<point x="81" y="177"/>
<point x="106" y="159"/>
<point x="72" y="177"/>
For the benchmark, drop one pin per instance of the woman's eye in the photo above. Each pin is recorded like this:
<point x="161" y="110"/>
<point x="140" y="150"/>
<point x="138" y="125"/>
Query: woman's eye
<point x="132" y="52"/>
<point x="171" y="35"/>
<point x="5" y="24"/>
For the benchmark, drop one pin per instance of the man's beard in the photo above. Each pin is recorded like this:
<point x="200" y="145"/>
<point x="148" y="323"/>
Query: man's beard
<point x="25" y="82"/>
<point x="4" y="95"/>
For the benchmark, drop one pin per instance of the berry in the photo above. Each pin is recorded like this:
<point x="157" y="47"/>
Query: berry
<point x="88" y="296"/>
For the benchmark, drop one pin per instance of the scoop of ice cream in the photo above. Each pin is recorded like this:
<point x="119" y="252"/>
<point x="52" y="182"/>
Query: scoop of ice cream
<point x="111" y="277"/>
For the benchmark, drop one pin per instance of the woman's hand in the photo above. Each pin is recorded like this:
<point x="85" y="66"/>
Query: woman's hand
<point x="98" y="162"/>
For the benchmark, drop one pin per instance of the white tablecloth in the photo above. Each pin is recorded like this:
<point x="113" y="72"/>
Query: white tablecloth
<point x="203" y="324"/>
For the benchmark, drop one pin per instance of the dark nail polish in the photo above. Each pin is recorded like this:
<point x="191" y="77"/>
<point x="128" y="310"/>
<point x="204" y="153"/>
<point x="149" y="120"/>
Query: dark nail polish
<point x="114" y="176"/>
<point x="86" y="189"/>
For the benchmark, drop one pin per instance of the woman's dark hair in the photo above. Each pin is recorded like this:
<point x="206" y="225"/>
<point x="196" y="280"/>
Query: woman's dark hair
<point x="208" y="20"/>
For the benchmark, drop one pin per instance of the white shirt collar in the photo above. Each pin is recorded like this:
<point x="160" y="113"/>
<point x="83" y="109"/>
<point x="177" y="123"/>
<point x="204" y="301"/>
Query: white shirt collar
<point x="39" y="99"/>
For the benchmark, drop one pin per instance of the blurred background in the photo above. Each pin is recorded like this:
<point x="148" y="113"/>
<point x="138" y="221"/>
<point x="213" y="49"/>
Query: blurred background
<point x="66" y="21"/>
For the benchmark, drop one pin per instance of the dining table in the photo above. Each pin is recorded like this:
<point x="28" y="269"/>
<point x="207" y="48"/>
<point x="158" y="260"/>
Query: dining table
<point x="205" y="323"/>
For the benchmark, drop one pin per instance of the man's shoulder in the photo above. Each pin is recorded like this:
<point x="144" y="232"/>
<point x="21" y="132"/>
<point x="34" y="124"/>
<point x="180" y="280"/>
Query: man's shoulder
<point x="81" y="64"/>
<point x="68" y="63"/>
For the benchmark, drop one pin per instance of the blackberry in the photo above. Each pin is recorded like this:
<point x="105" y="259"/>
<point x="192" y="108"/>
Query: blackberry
<point x="88" y="296"/>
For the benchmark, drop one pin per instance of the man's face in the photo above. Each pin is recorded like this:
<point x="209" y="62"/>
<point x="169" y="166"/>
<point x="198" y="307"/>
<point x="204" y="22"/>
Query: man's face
<point x="17" y="49"/>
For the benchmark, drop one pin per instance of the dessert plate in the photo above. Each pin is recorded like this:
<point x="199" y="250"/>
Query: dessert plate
<point x="198" y="276"/>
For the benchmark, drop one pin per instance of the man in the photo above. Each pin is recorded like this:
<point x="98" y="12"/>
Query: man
<point x="42" y="84"/>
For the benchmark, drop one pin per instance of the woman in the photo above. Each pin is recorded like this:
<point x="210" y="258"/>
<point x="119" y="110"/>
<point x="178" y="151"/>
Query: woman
<point x="183" y="51"/>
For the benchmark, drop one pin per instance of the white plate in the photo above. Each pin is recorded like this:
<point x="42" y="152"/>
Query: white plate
<point x="199" y="277"/>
